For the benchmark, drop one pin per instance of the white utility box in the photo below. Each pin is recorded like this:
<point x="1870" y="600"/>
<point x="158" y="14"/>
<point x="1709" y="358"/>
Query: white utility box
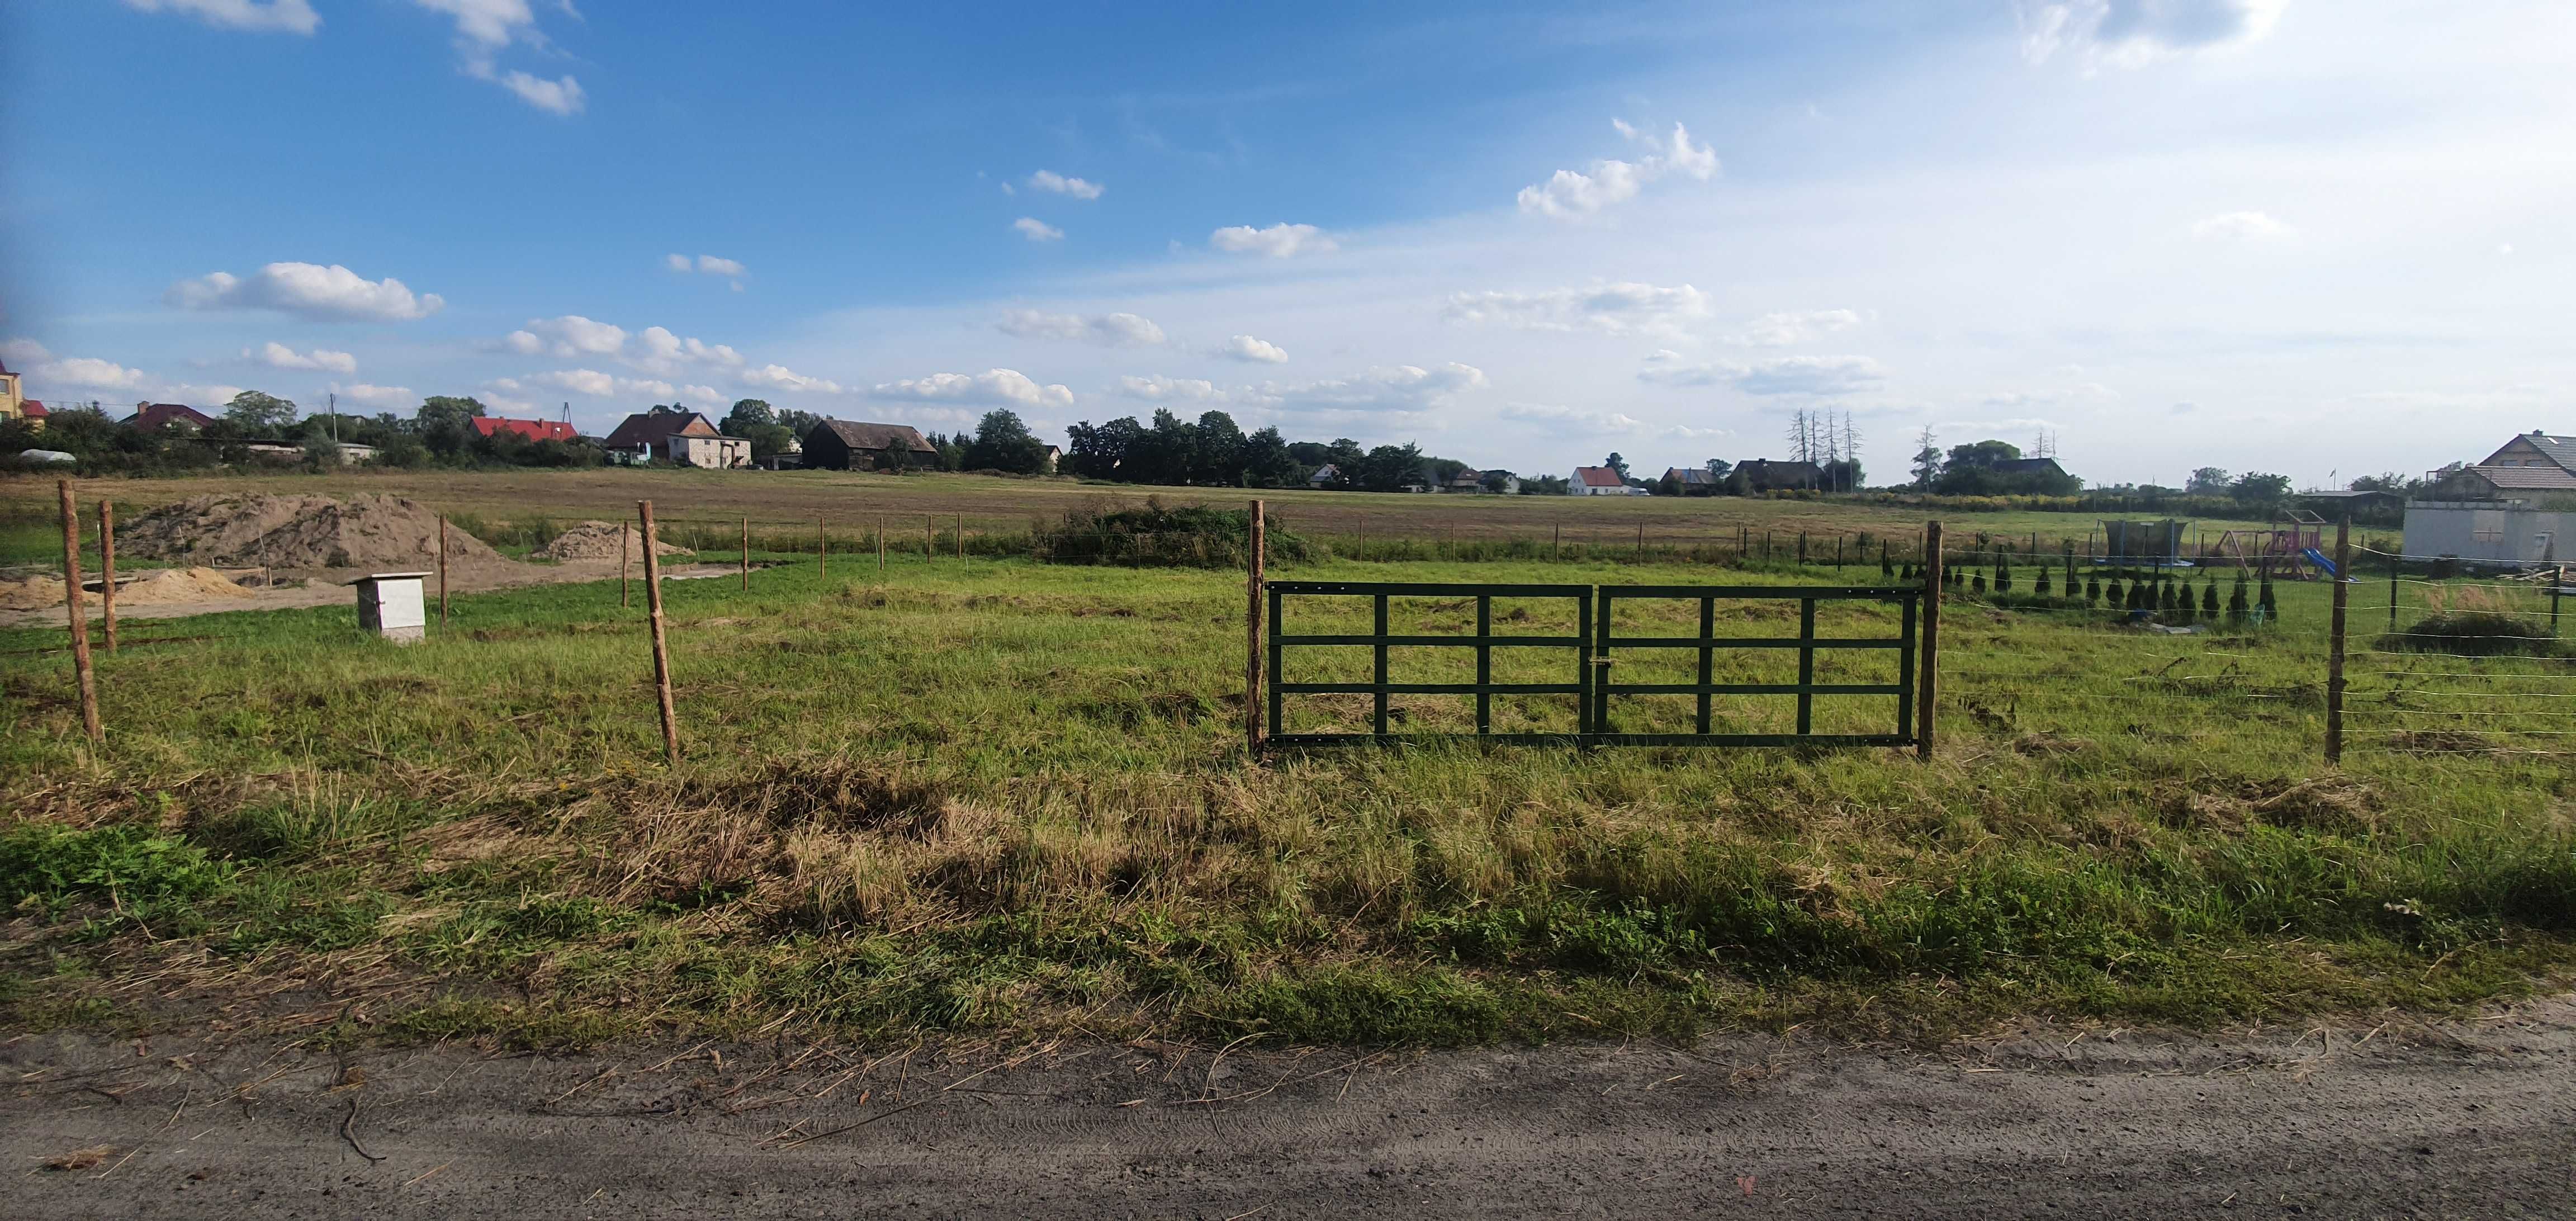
<point x="389" y="604"/>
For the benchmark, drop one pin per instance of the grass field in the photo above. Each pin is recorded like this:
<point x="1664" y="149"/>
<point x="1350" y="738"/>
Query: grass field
<point x="996" y="795"/>
<point x="852" y="504"/>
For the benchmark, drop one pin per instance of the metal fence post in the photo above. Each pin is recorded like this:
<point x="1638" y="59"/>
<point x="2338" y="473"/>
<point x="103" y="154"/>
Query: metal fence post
<point x="2334" y="647"/>
<point x="1927" y="691"/>
<point x="1252" y="633"/>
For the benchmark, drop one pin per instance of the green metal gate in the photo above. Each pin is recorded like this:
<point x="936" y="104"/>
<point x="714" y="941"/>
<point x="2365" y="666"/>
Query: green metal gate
<point x="1588" y="658"/>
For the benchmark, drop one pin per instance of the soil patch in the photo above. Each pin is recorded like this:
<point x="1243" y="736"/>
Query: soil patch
<point x="367" y="531"/>
<point x="600" y="540"/>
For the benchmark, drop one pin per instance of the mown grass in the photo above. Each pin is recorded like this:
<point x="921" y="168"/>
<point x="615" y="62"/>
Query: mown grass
<point x="995" y="795"/>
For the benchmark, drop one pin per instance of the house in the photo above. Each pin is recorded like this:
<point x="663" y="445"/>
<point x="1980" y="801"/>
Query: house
<point x="532" y="430"/>
<point x="1597" y="481"/>
<point x="34" y="412"/>
<point x="1755" y="476"/>
<point x="1054" y="458"/>
<point x="681" y="437"/>
<point x="1465" y="481"/>
<point x="12" y="405"/>
<point x="1692" y="480"/>
<point x="153" y="417"/>
<point x="1325" y="476"/>
<point x="841" y="445"/>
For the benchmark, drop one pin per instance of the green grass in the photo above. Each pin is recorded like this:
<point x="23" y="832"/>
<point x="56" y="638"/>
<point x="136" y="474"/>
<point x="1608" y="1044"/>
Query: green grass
<point x="994" y="795"/>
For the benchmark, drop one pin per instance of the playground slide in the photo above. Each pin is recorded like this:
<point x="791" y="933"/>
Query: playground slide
<point x="2319" y="559"/>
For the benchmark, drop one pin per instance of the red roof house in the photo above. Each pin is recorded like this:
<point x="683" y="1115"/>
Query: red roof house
<point x="35" y="409"/>
<point x="533" y="430"/>
<point x="1596" y="481"/>
<point x="152" y="417"/>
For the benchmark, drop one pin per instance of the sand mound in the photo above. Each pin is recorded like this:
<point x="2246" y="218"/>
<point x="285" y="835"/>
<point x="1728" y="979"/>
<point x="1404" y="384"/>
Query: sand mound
<point x="600" y="540"/>
<point x="370" y="531"/>
<point x="178" y="585"/>
<point x="144" y="589"/>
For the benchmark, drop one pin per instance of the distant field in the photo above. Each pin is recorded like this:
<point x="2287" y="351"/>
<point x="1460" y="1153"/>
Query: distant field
<point x="993" y="795"/>
<point x="853" y="502"/>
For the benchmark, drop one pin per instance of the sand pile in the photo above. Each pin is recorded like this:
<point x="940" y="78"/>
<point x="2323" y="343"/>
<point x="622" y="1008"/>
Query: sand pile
<point x="151" y="588"/>
<point x="601" y="540"/>
<point x="384" y="533"/>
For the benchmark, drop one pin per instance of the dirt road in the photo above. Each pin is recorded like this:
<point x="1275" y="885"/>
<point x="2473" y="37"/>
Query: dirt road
<point x="2470" y="1119"/>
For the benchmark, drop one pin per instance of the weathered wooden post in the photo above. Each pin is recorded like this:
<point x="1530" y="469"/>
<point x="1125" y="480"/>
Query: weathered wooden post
<point x="1556" y="544"/>
<point x="822" y="550"/>
<point x="107" y="573"/>
<point x="661" y="646"/>
<point x="1641" y="540"/>
<point x="929" y="540"/>
<point x="1252" y="587"/>
<point x="625" y="545"/>
<point x="746" y="555"/>
<point x="880" y="546"/>
<point x="2334" y="644"/>
<point x="81" y="672"/>
<point x="1927" y="690"/>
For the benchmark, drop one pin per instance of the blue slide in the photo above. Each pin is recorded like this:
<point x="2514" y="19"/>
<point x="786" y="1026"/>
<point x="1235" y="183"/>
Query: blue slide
<point x="2319" y="559"/>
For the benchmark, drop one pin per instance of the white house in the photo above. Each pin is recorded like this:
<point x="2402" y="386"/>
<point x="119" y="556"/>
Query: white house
<point x="1597" y="481"/>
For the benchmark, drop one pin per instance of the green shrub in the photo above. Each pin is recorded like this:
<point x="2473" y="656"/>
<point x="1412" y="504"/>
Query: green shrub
<point x="2476" y="634"/>
<point x="1154" y="535"/>
<point x="125" y="863"/>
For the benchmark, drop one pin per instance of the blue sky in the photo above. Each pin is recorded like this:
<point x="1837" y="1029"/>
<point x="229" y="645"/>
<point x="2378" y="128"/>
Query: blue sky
<point x="2320" y="239"/>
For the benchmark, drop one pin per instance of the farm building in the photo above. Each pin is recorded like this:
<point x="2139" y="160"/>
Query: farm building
<point x="533" y="430"/>
<point x="1597" y="481"/>
<point x="682" y="437"/>
<point x="1325" y="476"/>
<point x="2500" y="531"/>
<point x="1691" y="480"/>
<point x="1755" y="476"/>
<point x="841" y="445"/>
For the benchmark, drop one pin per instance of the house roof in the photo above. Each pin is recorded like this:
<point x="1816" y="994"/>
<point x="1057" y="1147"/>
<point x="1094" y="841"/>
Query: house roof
<point x="1690" y="474"/>
<point x="859" y="434"/>
<point x="2024" y="466"/>
<point x="1324" y="472"/>
<point x="1467" y="475"/>
<point x="2561" y="450"/>
<point x="35" y="409"/>
<point x="644" y="428"/>
<point x="1598" y="477"/>
<point x="534" y="430"/>
<point x="158" y="415"/>
<point x="2527" y="478"/>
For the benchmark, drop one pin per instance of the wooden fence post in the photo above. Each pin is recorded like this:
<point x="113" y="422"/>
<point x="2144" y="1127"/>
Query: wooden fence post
<point x="1641" y="540"/>
<point x="661" y="646"/>
<point x="929" y="540"/>
<point x="822" y="550"/>
<point x="1927" y="690"/>
<point x="107" y="572"/>
<point x="442" y="573"/>
<point x="880" y="546"/>
<point x="81" y="672"/>
<point x="2334" y="644"/>
<point x="1556" y="545"/>
<point x="746" y="555"/>
<point x="961" y="536"/>
<point x="625" y="546"/>
<point x="1252" y="634"/>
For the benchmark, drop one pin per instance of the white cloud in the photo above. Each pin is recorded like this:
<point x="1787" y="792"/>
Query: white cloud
<point x="1000" y="387"/>
<point x="292" y="16"/>
<point x="279" y="356"/>
<point x="664" y="352"/>
<point x="1049" y="180"/>
<point x="2132" y="33"/>
<point x="591" y="383"/>
<point x="1571" y="419"/>
<point x="1782" y="330"/>
<point x="1813" y="375"/>
<point x="24" y="351"/>
<point x="90" y="373"/>
<point x="376" y="396"/>
<point x="568" y="336"/>
<point x="561" y="96"/>
<point x="1253" y="351"/>
<point x="1610" y="309"/>
<point x="1398" y="389"/>
<point x="2240" y="227"/>
<point x="1107" y="330"/>
<point x="1160" y="389"/>
<point x="1573" y="195"/>
<point x="1278" y="241"/>
<point x="485" y="27"/>
<point x="708" y="264"/>
<point x="779" y="377"/>
<point x="332" y="293"/>
<point x="1037" y="230"/>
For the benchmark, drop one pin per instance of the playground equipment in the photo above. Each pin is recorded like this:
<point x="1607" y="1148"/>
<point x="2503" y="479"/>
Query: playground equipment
<point x="2142" y="544"/>
<point x="2292" y="547"/>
